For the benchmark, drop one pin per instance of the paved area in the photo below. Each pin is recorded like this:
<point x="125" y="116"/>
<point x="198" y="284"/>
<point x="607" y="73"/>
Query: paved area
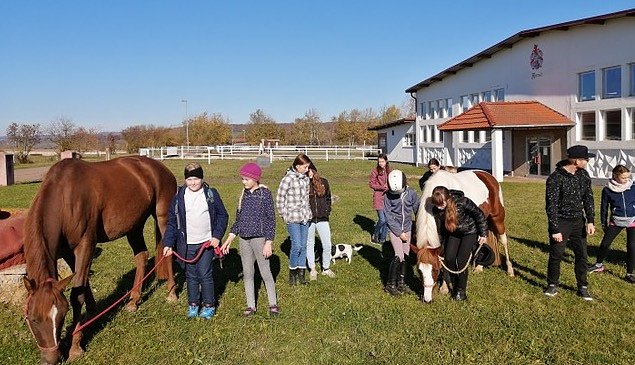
<point x="34" y="174"/>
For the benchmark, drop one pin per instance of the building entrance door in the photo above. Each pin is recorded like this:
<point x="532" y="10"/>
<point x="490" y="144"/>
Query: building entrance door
<point x="539" y="156"/>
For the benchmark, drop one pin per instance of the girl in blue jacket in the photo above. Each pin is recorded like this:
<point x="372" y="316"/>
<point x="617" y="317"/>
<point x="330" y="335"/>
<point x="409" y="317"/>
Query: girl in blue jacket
<point x="197" y="220"/>
<point x="618" y="196"/>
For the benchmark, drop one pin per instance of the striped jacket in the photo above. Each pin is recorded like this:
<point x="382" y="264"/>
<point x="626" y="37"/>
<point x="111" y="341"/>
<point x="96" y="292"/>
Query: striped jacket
<point x="292" y="199"/>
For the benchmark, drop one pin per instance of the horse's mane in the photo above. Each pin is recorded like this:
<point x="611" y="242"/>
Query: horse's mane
<point x="40" y="259"/>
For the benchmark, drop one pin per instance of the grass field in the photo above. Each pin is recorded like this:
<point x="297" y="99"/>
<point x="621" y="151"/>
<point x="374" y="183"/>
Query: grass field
<point x="349" y="319"/>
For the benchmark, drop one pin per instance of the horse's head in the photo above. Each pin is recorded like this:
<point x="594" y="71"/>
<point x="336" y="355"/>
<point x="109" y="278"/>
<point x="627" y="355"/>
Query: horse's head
<point x="44" y="311"/>
<point x="429" y="265"/>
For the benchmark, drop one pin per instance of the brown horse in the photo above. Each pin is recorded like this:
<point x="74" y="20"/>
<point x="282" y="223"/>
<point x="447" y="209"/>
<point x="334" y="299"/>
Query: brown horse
<point x="483" y="189"/>
<point x="78" y="205"/>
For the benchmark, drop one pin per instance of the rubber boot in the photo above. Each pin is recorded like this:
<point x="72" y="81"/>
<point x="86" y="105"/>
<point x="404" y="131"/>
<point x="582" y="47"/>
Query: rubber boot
<point x="401" y="279"/>
<point x="301" y="276"/>
<point x="391" y="281"/>
<point x="292" y="277"/>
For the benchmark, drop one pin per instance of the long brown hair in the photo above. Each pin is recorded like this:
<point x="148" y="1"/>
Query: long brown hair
<point x="441" y="194"/>
<point x="316" y="181"/>
<point x="386" y="170"/>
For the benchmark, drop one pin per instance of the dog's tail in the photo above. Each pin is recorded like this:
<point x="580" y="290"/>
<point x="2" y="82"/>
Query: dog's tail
<point x="358" y="246"/>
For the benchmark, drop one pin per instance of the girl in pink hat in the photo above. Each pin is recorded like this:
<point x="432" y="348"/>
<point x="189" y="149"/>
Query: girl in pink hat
<point x="255" y="226"/>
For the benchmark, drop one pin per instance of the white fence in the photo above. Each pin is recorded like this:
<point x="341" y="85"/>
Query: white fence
<point x="253" y="152"/>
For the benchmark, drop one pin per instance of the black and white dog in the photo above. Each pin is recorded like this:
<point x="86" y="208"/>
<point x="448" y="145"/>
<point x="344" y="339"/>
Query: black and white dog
<point x="341" y="251"/>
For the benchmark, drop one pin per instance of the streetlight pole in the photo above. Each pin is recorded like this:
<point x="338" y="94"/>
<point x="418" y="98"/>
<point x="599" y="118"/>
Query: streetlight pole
<point x="187" y="125"/>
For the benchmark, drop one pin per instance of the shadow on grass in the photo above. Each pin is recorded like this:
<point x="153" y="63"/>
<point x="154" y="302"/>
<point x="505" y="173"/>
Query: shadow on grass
<point x="542" y="246"/>
<point x="381" y="256"/>
<point x="365" y="223"/>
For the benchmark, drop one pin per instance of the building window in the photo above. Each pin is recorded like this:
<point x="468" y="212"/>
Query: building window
<point x="474" y="99"/>
<point x="499" y="95"/>
<point x="632" y="114"/>
<point x="632" y="79"/>
<point x="443" y="110"/>
<point x="439" y="134"/>
<point x="488" y="135"/>
<point x="586" y="87"/>
<point x="613" y="123"/>
<point x="461" y="136"/>
<point x="422" y="111"/>
<point x="612" y="82"/>
<point x="448" y="103"/>
<point x="486" y="96"/>
<point x="434" y="109"/>
<point x="465" y="103"/>
<point x="409" y="140"/>
<point x="587" y="121"/>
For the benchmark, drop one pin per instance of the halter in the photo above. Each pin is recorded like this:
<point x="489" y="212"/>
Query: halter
<point x="26" y="318"/>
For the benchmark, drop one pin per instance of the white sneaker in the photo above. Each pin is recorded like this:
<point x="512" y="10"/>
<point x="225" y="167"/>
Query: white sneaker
<point x="329" y="273"/>
<point x="313" y="275"/>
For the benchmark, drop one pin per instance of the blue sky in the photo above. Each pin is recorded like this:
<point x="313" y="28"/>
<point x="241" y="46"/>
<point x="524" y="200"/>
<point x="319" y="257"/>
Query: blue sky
<point x="112" y="64"/>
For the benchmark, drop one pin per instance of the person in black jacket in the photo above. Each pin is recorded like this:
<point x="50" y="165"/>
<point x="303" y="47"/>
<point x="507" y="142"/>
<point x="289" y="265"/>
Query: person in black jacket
<point x="320" y="202"/>
<point x="433" y="166"/>
<point x="570" y="212"/>
<point x="461" y="224"/>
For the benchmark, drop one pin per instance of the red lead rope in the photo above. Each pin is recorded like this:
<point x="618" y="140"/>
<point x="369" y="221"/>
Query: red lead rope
<point x="204" y="246"/>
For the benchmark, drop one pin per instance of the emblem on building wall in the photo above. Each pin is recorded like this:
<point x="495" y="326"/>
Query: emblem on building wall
<point x="535" y="59"/>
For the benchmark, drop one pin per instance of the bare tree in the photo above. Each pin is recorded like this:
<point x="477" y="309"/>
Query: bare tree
<point x="24" y="137"/>
<point x="62" y="133"/>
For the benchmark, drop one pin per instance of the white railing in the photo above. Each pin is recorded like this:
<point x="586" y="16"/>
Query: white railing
<point x="253" y="152"/>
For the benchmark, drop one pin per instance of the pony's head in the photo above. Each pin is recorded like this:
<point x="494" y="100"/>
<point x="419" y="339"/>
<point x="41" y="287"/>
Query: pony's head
<point x="44" y="312"/>
<point x="429" y="265"/>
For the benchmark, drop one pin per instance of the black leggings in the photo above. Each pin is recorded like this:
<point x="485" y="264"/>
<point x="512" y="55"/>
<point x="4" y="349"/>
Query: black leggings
<point x="609" y="235"/>
<point x="456" y="255"/>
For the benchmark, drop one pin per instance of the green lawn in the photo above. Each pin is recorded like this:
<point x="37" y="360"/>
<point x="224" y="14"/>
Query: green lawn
<point x="349" y="319"/>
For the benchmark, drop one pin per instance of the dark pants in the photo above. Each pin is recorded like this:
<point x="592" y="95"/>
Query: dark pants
<point x="609" y="235"/>
<point x="573" y="234"/>
<point x="456" y="255"/>
<point x="200" y="282"/>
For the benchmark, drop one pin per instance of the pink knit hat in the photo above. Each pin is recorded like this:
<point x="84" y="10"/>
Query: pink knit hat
<point x="251" y="170"/>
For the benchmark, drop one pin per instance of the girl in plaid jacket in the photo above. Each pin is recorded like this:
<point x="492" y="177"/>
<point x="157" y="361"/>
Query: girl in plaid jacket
<point x="292" y="202"/>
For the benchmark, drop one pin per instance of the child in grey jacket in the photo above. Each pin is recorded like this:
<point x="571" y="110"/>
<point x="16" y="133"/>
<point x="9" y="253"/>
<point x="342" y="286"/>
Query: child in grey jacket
<point x="400" y="204"/>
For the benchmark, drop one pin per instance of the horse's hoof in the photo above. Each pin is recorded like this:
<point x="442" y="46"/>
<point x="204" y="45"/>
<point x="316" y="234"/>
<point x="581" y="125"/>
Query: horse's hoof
<point x="479" y="268"/>
<point x="444" y="289"/>
<point x="172" y="298"/>
<point x="131" y="307"/>
<point x="75" y="353"/>
<point x="510" y="272"/>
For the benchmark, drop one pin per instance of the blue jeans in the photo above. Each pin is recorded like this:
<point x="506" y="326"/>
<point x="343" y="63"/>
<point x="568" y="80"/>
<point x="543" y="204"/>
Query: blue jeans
<point x="298" y="233"/>
<point x="381" y="228"/>
<point x="324" y="230"/>
<point x="200" y="282"/>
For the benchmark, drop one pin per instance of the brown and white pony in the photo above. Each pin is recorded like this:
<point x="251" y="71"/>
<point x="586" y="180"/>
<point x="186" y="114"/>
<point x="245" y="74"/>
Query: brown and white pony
<point x="483" y="189"/>
<point x="78" y="205"/>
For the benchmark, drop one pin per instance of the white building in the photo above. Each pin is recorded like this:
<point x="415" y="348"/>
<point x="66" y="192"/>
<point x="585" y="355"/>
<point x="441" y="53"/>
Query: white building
<point x="529" y="98"/>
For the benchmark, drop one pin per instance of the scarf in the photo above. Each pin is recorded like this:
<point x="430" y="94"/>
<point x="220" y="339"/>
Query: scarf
<point x="617" y="187"/>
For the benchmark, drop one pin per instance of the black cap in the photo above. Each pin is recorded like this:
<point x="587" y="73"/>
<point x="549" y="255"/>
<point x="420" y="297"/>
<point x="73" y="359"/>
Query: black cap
<point x="579" y="151"/>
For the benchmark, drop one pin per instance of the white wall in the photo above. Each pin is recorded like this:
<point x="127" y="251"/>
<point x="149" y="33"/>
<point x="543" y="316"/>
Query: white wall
<point x="396" y="151"/>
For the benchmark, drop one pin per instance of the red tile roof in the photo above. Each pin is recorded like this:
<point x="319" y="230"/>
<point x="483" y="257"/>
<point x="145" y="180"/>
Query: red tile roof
<point x="508" y="114"/>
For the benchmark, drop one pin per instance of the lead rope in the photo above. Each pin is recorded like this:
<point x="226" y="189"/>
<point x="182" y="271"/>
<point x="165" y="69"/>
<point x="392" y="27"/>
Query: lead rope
<point x="442" y="259"/>
<point x="204" y="246"/>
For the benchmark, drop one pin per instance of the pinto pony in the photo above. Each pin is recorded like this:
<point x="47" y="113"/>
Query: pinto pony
<point x="483" y="189"/>
<point x="79" y="205"/>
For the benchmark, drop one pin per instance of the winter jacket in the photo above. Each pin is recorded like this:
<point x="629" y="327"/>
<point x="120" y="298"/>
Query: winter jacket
<point x="176" y="233"/>
<point x="320" y="205"/>
<point x="292" y="199"/>
<point x="470" y="218"/>
<point x="399" y="209"/>
<point x="255" y="216"/>
<point x="620" y="204"/>
<point x="379" y="183"/>
<point x="568" y="196"/>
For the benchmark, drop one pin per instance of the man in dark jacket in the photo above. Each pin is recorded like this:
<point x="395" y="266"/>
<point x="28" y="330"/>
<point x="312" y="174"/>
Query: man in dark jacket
<point x="570" y="213"/>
